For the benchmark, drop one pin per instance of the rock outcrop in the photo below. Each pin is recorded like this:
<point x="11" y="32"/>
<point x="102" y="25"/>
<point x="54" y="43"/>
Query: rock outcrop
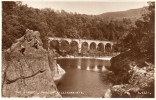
<point x="28" y="69"/>
<point x="59" y="72"/>
<point x="133" y="77"/>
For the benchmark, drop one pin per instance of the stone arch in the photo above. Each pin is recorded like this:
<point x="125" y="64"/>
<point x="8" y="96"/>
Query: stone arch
<point x="54" y="44"/>
<point x="84" y="47"/>
<point x="64" y="46"/>
<point x="100" y="47"/>
<point x="93" y="45"/>
<point x="74" y="47"/>
<point x="108" y="47"/>
<point x="69" y="41"/>
<point x="73" y="42"/>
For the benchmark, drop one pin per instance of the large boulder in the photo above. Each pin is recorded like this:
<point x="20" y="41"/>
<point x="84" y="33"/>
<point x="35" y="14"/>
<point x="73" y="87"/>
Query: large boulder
<point x="120" y="67"/>
<point x="26" y="71"/>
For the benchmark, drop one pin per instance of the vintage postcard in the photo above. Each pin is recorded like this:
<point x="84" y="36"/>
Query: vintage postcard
<point x="78" y="49"/>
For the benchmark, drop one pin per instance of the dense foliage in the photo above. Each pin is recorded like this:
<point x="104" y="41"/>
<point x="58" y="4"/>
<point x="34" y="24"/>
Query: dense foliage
<point x="138" y="45"/>
<point x="133" y="69"/>
<point x="140" y="38"/>
<point x="16" y="17"/>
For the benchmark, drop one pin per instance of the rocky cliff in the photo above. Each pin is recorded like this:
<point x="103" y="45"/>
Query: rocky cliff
<point x="28" y="69"/>
<point x="133" y="77"/>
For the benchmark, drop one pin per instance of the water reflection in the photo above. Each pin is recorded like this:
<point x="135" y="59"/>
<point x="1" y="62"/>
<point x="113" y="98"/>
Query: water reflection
<point x="95" y="68"/>
<point x="88" y="68"/>
<point x="88" y="64"/>
<point x="83" y="75"/>
<point x="104" y="68"/>
<point x="78" y="67"/>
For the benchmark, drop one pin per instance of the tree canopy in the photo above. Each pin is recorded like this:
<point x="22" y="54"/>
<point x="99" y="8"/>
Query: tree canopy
<point x="140" y="38"/>
<point x="129" y="35"/>
<point x="18" y="17"/>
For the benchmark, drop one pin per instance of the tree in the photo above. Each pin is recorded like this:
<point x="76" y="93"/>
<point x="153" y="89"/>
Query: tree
<point x="16" y="17"/>
<point x="140" y="39"/>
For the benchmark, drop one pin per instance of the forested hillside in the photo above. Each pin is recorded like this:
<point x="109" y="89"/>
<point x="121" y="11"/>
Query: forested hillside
<point x="132" y="13"/>
<point x="17" y="17"/>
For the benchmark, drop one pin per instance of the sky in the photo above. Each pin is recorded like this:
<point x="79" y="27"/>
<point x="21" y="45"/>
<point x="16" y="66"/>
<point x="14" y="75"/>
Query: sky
<point x="87" y="7"/>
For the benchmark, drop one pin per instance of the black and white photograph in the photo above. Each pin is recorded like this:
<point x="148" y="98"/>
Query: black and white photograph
<point x="78" y="49"/>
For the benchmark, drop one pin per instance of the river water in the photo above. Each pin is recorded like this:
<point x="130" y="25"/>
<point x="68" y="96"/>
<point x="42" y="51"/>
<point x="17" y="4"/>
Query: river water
<point x="84" y="77"/>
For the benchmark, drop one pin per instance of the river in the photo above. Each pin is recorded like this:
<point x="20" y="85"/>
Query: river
<point x="84" y="77"/>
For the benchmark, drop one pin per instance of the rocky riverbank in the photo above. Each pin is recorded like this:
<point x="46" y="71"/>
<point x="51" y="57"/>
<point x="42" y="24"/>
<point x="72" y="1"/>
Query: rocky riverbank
<point x="28" y="69"/>
<point x="133" y="77"/>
